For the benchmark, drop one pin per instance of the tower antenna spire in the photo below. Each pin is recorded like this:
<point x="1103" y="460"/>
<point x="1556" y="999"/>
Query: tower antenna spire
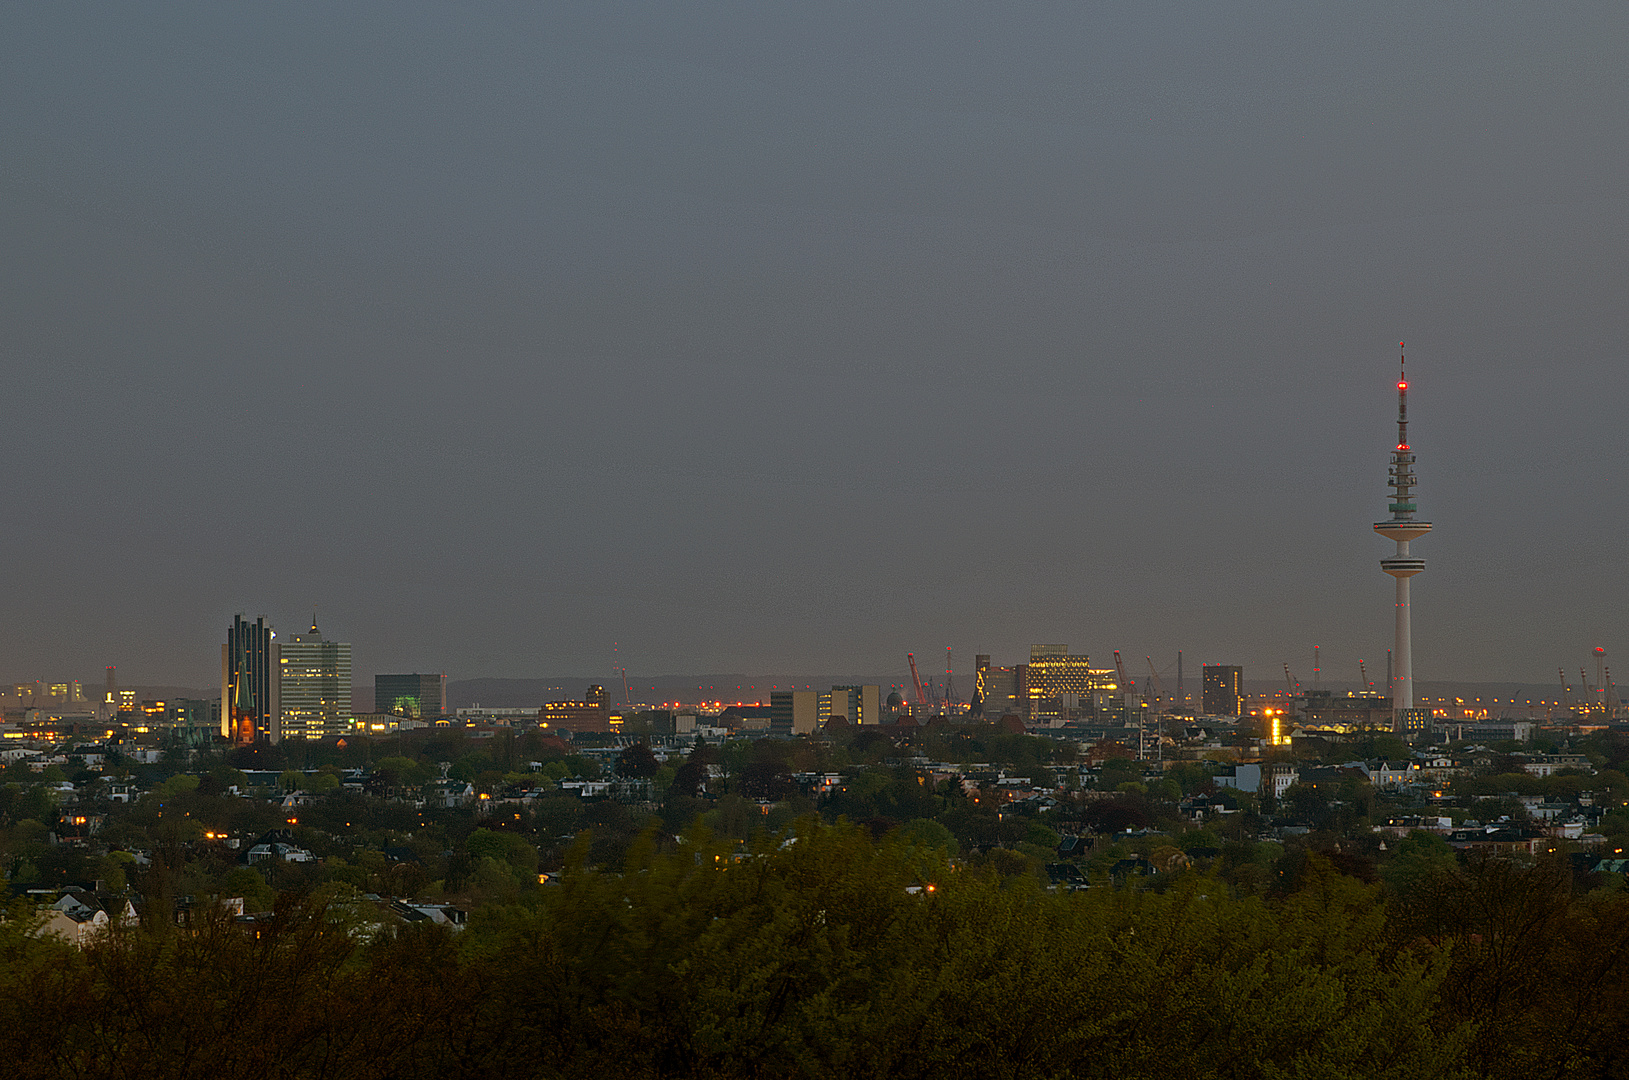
<point x="1402" y="527"/>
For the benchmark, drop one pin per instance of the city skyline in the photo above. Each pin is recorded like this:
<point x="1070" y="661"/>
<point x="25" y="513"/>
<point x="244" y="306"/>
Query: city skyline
<point x="548" y="340"/>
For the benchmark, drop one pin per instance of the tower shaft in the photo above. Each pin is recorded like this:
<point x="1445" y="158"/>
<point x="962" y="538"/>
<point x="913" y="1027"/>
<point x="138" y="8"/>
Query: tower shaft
<point x="1402" y="528"/>
<point x="1403" y="683"/>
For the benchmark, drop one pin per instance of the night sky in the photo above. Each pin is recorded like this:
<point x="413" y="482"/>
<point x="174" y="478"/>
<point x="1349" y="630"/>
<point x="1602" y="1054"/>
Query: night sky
<point x="771" y="337"/>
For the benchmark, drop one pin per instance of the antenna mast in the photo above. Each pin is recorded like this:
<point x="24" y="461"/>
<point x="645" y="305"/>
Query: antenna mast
<point x="1402" y="528"/>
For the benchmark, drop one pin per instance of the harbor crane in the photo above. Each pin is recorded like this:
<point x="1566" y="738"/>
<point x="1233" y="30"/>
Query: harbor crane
<point x="1153" y="682"/>
<point x="1289" y="680"/>
<point x="921" y="695"/>
<point x="1126" y="684"/>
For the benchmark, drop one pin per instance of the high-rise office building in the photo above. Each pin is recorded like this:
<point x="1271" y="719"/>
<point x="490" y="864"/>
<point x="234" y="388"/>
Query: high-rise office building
<point x="1001" y="692"/>
<point x="249" y="683"/>
<point x="1056" y="687"/>
<point x="981" y="670"/>
<point x="419" y="696"/>
<point x="856" y="704"/>
<point x="314" y="686"/>
<point x="794" y="712"/>
<point x="1222" y="692"/>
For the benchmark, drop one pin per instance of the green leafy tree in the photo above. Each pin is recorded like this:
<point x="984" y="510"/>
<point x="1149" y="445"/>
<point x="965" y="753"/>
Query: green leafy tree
<point x="1419" y="860"/>
<point x="930" y="834"/>
<point x="247" y="882"/>
<point x="637" y="762"/>
<point x="505" y="848"/>
<point x="323" y="783"/>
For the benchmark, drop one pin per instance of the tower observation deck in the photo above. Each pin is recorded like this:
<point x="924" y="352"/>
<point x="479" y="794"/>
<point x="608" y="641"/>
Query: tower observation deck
<point x="1403" y="528"/>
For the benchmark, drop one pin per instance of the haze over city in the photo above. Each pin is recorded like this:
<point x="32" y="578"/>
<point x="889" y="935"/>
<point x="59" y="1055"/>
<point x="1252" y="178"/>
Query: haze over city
<point x="792" y="339"/>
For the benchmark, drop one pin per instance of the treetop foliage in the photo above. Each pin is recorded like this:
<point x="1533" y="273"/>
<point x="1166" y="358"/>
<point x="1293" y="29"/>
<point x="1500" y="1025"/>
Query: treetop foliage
<point x="821" y="951"/>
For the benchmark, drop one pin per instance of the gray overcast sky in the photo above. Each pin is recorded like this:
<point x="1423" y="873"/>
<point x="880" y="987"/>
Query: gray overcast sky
<point x="770" y="337"/>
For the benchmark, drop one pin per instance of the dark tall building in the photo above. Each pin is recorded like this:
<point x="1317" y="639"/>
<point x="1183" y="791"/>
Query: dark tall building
<point x="981" y="672"/>
<point x="1223" y="693"/>
<point x="420" y="696"/>
<point x="249" y="683"/>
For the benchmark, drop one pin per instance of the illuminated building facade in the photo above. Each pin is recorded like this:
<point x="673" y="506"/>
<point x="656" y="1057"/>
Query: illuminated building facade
<point x="1222" y="690"/>
<point x="1057" y="688"/>
<point x="1001" y="696"/>
<point x="418" y="696"/>
<point x="1403" y="565"/>
<point x="856" y="704"/>
<point x="249" y="683"/>
<point x="981" y="671"/>
<point x="592" y="714"/>
<point x="315" y="686"/>
<point x="796" y="712"/>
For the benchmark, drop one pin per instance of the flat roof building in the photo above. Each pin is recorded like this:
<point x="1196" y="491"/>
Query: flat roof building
<point x="423" y="697"/>
<point x="1222" y="692"/>
<point x="315" y="686"/>
<point x="592" y="714"/>
<point x="1055" y="687"/>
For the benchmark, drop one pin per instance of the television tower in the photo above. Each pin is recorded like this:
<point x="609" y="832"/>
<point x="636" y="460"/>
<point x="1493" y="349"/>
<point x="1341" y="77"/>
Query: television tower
<point x="1402" y="528"/>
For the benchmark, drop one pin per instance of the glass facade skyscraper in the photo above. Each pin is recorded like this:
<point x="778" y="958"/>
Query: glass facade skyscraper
<point x="249" y="683"/>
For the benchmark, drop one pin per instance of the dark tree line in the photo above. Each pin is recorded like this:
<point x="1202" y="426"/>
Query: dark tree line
<point x="838" y="955"/>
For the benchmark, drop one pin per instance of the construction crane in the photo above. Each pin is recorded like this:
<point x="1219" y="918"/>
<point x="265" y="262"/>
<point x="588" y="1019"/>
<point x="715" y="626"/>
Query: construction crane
<point x="921" y="694"/>
<point x="1364" y="672"/>
<point x="950" y="692"/>
<point x="1154" y="681"/>
<point x="1120" y="670"/>
<point x="1289" y="680"/>
<point x="627" y="695"/>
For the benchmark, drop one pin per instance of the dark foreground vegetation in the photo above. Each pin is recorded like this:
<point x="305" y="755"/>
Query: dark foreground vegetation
<point x="836" y="954"/>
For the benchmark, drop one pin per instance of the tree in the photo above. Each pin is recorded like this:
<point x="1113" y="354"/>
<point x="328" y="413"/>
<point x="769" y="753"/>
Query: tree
<point x="927" y="833"/>
<point x="245" y="881"/>
<point x="323" y="783"/>
<point x="636" y="762"/>
<point x="1116" y="815"/>
<point x="763" y="780"/>
<point x="1419" y="859"/>
<point x="506" y="848"/>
